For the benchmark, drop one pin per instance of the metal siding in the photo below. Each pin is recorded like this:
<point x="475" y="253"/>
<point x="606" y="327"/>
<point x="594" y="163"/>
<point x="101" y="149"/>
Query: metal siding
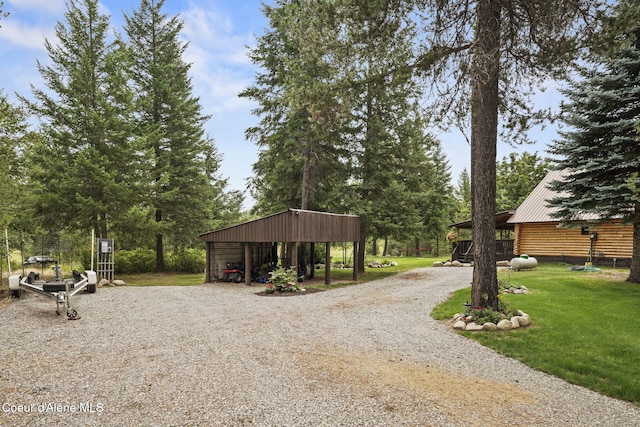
<point x="292" y="226"/>
<point x="535" y="207"/>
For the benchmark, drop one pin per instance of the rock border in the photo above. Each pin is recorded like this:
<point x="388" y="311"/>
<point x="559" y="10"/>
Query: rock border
<point x="467" y="323"/>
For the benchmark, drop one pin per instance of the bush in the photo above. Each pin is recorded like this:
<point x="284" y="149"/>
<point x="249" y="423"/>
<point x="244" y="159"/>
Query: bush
<point x="135" y="262"/>
<point x="282" y="280"/>
<point x="187" y="261"/>
<point x="484" y="315"/>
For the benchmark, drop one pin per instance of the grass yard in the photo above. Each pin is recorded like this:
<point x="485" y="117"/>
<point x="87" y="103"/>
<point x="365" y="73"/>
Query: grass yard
<point x="585" y="328"/>
<point x="342" y="277"/>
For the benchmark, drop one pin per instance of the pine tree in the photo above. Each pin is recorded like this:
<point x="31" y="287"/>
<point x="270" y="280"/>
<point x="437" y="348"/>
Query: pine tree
<point x="601" y="152"/>
<point x="13" y="136"/>
<point x="517" y="176"/>
<point x="483" y="59"/>
<point x="88" y="160"/>
<point x="184" y="190"/>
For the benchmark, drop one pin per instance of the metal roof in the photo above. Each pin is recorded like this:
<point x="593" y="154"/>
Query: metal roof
<point x="535" y="207"/>
<point x="293" y="225"/>
<point x="501" y="221"/>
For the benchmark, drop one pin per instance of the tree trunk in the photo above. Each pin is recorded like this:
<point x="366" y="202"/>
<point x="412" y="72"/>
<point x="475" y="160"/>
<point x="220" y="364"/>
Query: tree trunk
<point x="159" y="245"/>
<point x="417" y="244"/>
<point x="374" y="247"/>
<point x="385" y="251"/>
<point x="484" y="130"/>
<point x="634" y="274"/>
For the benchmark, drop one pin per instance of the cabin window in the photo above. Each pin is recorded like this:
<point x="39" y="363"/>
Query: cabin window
<point x="584" y="230"/>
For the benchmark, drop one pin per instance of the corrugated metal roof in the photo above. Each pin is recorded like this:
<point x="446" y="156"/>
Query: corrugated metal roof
<point x="535" y="207"/>
<point x="501" y="221"/>
<point x="293" y="225"/>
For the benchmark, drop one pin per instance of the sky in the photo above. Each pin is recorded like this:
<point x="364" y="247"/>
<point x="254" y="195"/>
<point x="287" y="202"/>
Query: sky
<point x="219" y="33"/>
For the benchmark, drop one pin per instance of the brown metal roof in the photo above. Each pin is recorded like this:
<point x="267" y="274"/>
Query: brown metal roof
<point x="293" y="225"/>
<point x="535" y="207"/>
<point x="501" y="221"/>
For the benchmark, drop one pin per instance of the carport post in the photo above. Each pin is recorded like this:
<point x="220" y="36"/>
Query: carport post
<point x="327" y="263"/>
<point x="355" y="261"/>
<point x="247" y="264"/>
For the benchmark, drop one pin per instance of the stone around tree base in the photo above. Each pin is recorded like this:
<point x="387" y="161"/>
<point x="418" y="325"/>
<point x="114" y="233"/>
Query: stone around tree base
<point x="504" y="325"/>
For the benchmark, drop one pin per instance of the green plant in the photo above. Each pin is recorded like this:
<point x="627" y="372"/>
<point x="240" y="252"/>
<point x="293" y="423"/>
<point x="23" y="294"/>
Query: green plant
<point x="485" y="315"/>
<point x="283" y="280"/>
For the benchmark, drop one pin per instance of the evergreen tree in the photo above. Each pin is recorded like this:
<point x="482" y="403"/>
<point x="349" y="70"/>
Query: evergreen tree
<point x="184" y="192"/>
<point x="483" y="58"/>
<point x="463" y="196"/>
<point x="13" y="136"/>
<point x="601" y="152"/>
<point x="302" y="156"/>
<point x="87" y="161"/>
<point x="517" y="176"/>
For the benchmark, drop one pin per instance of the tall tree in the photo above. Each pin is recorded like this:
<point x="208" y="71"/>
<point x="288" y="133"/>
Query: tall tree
<point x="301" y="156"/>
<point x="13" y="136"/>
<point x="517" y="176"/>
<point x="185" y="189"/>
<point x="489" y="55"/>
<point x="88" y="160"/>
<point x="463" y="196"/>
<point x="601" y="152"/>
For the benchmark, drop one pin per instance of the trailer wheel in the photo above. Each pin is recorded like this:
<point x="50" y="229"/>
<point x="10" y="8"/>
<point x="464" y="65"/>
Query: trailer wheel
<point x="237" y="277"/>
<point x="91" y="288"/>
<point x="16" y="294"/>
<point x="72" y="314"/>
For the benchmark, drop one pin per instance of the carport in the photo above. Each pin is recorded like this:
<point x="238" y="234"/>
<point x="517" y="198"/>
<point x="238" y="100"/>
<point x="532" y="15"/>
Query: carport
<point x="256" y="239"/>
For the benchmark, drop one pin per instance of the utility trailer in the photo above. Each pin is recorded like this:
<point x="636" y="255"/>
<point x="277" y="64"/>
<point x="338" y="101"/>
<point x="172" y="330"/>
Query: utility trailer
<point x="60" y="290"/>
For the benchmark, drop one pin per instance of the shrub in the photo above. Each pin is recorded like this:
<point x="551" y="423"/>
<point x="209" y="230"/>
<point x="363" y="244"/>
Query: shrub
<point x="187" y="261"/>
<point x="135" y="262"/>
<point x="282" y="280"/>
<point x="484" y="315"/>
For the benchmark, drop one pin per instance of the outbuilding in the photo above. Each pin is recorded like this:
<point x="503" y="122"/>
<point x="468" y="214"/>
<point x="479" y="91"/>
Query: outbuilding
<point x="589" y="237"/>
<point x="255" y="242"/>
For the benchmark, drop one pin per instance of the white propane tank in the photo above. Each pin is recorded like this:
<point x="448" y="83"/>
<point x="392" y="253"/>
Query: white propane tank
<point x="524" y="262"/>
<point x="14" y="282"/>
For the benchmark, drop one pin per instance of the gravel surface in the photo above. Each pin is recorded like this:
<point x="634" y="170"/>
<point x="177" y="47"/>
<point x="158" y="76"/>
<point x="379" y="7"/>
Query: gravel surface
<point x="220" y="355"/>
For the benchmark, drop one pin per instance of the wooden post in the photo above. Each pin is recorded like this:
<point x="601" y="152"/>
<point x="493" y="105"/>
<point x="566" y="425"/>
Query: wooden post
<point x="247" y="264"/>
<point x="207" y="264"/>
<point x="312" y="261"/>
<point x="355" y="261"/>
<point x="327" y="264"/>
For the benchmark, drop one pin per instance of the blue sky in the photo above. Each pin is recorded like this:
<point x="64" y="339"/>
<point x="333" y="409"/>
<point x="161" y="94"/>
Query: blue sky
<point x="218" y="33"/>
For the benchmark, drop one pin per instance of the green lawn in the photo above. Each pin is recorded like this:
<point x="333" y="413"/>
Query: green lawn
<point x="585" y="327"/>
<point x="337" y="275"/>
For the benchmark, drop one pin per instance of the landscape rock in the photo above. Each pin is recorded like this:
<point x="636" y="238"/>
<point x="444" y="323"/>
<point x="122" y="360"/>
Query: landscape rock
<point x="504" y="325"/>
<point x="514" y="322"/>
<point x="502" y="264"/>
<point x="459" y="325"/>
<point x="489" y="326"/>
<point x="474" y="327"/>
<point x="119" y="282"/>
<point x="438" y="264"/>
<point x="103" y="282"/>
<point x="456" y="263"/>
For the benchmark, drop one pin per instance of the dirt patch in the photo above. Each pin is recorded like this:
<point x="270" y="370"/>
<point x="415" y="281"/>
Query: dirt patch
<point x="307" y="291"/>
<point x="462" y="398"/>
<point x="415" y="275"/>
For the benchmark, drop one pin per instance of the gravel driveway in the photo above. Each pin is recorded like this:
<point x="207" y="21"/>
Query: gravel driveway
<point x="220" y="355"/>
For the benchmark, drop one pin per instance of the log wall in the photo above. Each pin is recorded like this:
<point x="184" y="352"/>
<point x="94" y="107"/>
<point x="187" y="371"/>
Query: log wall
<point x="550" y="240"/>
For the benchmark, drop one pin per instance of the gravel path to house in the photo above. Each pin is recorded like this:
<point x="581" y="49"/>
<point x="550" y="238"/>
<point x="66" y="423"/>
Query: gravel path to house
<point x="220" y="355"/>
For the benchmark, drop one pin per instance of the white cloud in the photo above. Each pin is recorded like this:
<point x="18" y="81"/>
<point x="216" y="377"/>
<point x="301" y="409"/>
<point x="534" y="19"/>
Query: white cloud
<point x="55" y="6"/>
<point x="25" y="36"/>
<point x="220" y="67"/>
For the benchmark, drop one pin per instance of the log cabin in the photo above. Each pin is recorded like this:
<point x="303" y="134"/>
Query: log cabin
<point x="589" y="239"/>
